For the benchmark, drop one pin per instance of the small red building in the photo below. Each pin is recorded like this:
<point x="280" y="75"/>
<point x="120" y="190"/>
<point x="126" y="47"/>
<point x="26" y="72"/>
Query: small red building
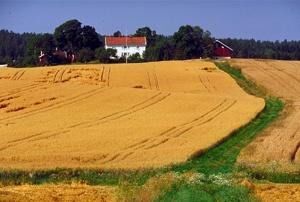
<point x="221" y="50"/>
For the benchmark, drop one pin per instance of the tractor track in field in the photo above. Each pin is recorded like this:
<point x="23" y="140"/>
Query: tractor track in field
<point x="149" y="80"/>
<point x="203" y="84"/>
<point x="17" y="75"/>
<point x="35" y="137"/>
<point x="111" y="117"/>
<point x="155" y="79"/>
<point x="62" y="74"/>
<point x="270" y="74"/>
<point x="56" y="105"/>
<point x="53" y="106"/>
<point x="55" y="75"/>
<point x="102" y="72"/>
<point x="14" y="75"/>
<point x="174" y="131"/>
<point x="179" y="131"/>
<point x="97" y="75"/>
<point x="293" y="155"/>
<point x="276" y="78"/>
<point x="58" y="76"/>
<point x="211" y="83"/>
<point x="133" y="109"/>
<point x="286" y="73"/>
<point x="22" y="89"/>
<point x="108" y="76"/>
<point x="294" y="152"/>
<point x="279" y="74"/>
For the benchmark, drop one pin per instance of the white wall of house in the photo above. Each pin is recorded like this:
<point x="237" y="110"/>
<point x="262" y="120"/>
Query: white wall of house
<point x="3" y="65"/>
<point x="130" y="50"/>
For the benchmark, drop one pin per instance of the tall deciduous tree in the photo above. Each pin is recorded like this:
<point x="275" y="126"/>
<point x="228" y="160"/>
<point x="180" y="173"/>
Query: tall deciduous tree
<point x="68" y="35"/>
<point x="208" y="46"/>
<point x="148" y="33"/>
<point x="188" y="42"/>
<point x="90" y="38"/>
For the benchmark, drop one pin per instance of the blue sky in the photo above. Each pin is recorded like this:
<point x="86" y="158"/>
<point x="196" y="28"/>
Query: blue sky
<point x="258" y="19"/>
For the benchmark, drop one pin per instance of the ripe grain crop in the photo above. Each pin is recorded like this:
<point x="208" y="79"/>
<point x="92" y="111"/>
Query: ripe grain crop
<point x="278" y="147"/>
<point x="117" y="116"/>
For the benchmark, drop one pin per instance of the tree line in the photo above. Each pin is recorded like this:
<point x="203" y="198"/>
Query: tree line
<point x="187" y="43"/>
<point x="281" y="50"/>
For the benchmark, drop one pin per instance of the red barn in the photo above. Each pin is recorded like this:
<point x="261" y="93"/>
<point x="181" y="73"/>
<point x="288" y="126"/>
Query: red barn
<point x="221" y="50"/>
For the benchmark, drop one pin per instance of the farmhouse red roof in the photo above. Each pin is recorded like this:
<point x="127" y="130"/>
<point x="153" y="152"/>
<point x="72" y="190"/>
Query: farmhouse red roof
<point x="123" y="40"/>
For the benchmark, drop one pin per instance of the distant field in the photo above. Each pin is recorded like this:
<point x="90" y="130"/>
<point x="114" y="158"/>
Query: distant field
<point x="280" y="143"/>
<point x="117" y="116"/>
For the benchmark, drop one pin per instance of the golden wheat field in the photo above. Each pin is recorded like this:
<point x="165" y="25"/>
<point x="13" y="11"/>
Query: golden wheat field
<point x="62" y="192"/>
<point x="117" y="116"/>
<point x="281" y="142"/>
<point x="277" y="192"/>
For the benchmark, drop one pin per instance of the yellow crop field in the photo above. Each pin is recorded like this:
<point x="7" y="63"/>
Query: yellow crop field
<point x="62" y="192"/>
<point x="280" y="143"/>
<point x="117" y="115"/>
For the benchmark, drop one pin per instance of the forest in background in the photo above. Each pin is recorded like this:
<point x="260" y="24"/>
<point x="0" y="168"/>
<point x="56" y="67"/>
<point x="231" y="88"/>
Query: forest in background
<point x="188" y="42"/>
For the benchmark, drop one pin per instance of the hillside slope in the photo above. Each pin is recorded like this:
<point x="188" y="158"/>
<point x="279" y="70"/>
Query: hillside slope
<point x="117" y="116"/>
<point x="279" y="145"/>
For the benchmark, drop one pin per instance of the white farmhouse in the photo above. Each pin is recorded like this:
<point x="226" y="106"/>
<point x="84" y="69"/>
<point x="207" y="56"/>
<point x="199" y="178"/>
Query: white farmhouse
<point x="126" y="45"/>
<point x="3" y="65"/>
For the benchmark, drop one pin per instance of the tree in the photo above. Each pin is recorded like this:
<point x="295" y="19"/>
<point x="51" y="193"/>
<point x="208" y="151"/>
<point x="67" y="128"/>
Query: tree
<point x="68" y="35"/>
<point x="148" y="33"/>
<point x="135" y="58"/>
<point x="163" y="49"/>
<point x="188" y="42"/>
<point x="86" y="55"/>
<point x="208" y="45"/>
<point x="46" y="43"/>
<point x="33" y="49"/>
<point x="106" y="55"/>
<point x="117" y="34"/>
<point x="90" y="38"/>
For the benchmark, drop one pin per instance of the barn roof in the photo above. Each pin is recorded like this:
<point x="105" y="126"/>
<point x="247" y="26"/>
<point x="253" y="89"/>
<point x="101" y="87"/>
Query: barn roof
<point x="223" y="44"/>
<point x="123" y="40"/>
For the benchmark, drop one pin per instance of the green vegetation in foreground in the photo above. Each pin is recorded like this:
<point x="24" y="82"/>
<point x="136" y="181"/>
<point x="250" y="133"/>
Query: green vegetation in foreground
<point x="215" y="161"/>
<point x="206" y="192"/>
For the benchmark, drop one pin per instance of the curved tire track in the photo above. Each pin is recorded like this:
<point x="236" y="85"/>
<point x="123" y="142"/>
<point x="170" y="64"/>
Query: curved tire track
<point x="133" y="109"/>
<point x="56" y="105"/>
<point x="176" y="131"/>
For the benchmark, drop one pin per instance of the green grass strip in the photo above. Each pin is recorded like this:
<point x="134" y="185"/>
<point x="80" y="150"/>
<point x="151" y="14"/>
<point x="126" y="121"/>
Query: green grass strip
<point x="207" y="192"/>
